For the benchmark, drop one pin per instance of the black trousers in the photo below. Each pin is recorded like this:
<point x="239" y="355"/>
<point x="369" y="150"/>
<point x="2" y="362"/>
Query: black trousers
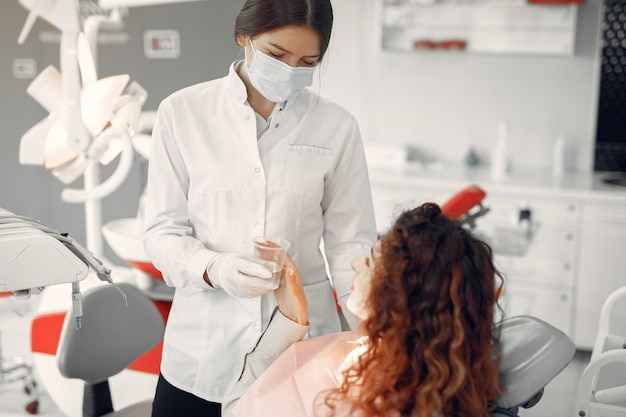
<point x="170" y="401"/>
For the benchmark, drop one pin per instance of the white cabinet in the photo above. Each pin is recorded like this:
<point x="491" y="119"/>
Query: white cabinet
<point x="538" y="269"/>
<point x="602" y="267"/>
<point x="539" y="282"/>
<point x="553" y="305"/>
<point x="577" y="254"/>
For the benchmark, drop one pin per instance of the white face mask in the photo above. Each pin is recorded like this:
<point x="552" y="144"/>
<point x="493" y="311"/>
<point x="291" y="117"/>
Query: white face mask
<point x="275" y="80"/>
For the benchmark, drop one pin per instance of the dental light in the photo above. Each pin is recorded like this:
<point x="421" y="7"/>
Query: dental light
<point x="91" y="121"/>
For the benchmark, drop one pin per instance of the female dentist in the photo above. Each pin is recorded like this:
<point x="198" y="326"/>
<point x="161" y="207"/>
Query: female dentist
<point x="252" y="153"/>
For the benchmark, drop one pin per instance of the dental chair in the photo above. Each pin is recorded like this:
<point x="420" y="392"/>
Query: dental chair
<point x="532" y="353"/>
<point x="466" y="205"/>
<point x="602" y="386"/>
<point x="115" y="332"/>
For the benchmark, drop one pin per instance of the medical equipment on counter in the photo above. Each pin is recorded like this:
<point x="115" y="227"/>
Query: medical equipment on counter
<point x="34" y="256"/>
<point x="602" y="387"/>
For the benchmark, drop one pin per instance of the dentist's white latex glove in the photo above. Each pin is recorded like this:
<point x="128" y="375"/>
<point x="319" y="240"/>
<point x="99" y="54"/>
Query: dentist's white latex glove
<point x="239" y="275"/>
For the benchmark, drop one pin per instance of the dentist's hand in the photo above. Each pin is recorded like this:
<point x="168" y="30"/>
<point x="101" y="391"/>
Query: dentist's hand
<point x="290" y="294"/>
<point x="239" y="275"/>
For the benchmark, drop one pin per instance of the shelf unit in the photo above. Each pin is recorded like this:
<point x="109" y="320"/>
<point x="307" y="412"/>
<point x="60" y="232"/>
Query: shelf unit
<point x="504" y="27"/>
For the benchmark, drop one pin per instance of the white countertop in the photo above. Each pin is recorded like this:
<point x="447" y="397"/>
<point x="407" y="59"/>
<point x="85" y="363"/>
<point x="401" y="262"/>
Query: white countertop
<point x="587" y="186"/>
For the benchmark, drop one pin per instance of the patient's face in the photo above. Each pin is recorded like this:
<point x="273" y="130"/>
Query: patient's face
<point x="362" y="282"/>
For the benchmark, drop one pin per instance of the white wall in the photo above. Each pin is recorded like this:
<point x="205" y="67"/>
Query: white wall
<point x="444" y="102"/>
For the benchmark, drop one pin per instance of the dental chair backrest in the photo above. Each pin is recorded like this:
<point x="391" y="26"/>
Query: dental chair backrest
<point x="466" y="205"/>
<point x="532" y="353"/>
<point x="114" y="333"/>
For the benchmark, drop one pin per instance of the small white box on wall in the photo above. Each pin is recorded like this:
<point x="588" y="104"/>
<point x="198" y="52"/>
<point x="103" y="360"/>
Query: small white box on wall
<point x="161" y="44"/>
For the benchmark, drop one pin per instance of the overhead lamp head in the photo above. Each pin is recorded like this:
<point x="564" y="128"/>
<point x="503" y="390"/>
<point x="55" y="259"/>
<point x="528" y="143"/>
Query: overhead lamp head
<point x="103" y="114"/>
<point x="61" y="13"/>
<point x="33" y="142"/>
<point x="86" y="62"/>
<point x="98" y="100"/>
<point x="57" y="150"/>
<point x="47" y="90"/>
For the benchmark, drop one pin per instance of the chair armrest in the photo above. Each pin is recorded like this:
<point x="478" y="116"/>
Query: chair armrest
<point x="605" y="318"/>
<point x="587" y="394"/>
<point x="612" y="395"/>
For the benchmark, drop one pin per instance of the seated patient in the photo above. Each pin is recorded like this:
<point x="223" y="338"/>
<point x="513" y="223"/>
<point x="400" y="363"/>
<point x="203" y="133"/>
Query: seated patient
<point x="425" y="348"/>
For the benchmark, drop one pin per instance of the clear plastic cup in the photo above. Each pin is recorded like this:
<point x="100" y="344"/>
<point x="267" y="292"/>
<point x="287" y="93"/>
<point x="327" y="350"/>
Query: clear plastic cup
<point x="272" y="251"/>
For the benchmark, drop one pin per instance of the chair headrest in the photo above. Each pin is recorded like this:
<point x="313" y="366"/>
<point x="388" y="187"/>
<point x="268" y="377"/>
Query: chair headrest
<point x="112" y="335"/>
<point x="532" y="353"/>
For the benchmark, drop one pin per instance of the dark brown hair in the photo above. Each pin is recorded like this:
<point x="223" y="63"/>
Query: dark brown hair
<point x="259" y="16"/>
<point x="432" y="349"/>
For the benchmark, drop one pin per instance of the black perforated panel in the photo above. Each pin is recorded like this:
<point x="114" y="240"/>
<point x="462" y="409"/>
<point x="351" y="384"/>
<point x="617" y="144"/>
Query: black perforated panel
<point x="610" y="152"/>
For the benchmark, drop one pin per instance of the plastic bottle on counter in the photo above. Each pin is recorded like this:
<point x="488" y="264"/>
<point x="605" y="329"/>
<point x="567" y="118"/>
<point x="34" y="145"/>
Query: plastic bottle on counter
<point x="471" y="157"/>
<point x="500" y="157"/>
<point x="558" y="156"/>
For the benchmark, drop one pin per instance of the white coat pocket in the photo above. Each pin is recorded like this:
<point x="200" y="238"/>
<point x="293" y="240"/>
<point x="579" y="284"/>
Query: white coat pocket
<point x="305" y="169"/>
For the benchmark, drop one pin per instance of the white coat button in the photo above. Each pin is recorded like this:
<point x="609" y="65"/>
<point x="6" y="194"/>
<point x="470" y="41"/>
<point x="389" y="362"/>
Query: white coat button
<point x="253" y="324"/>
<point x="256" y="222"/>
<point x="257" y="170"/>
<point x="247" y="117"/>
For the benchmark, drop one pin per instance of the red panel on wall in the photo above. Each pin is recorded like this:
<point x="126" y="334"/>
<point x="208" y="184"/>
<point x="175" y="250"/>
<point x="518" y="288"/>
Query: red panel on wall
<point x="46" y="333"/>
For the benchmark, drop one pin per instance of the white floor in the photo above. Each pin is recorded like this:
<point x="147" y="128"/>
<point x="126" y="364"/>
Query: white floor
<point x="15" y="317"/>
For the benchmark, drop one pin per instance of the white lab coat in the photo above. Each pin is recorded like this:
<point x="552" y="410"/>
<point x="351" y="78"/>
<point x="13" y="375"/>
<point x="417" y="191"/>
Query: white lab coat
<point x="212" y="187"/>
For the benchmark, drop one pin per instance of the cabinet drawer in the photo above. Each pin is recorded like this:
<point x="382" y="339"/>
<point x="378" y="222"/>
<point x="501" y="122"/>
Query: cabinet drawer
<point x="552" y="241"/>
<point x="602" y="265"/>
<point x="538" y="270"/>
<point x="544" y="240"/>
<point x="553" y="212"/>
<point x="551" y="305"/>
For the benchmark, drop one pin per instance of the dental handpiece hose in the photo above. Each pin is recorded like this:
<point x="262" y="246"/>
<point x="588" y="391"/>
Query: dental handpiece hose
<point x="77" y="304"/>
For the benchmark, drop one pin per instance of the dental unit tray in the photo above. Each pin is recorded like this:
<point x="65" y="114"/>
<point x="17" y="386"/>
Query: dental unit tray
<point x="34" y="256"/>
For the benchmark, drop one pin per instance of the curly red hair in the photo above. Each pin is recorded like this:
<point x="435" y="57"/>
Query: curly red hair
<point x="432" y="345"/>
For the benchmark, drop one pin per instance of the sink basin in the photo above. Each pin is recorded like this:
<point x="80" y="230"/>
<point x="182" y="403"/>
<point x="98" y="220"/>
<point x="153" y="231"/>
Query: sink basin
<point x="124" y="237"/>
